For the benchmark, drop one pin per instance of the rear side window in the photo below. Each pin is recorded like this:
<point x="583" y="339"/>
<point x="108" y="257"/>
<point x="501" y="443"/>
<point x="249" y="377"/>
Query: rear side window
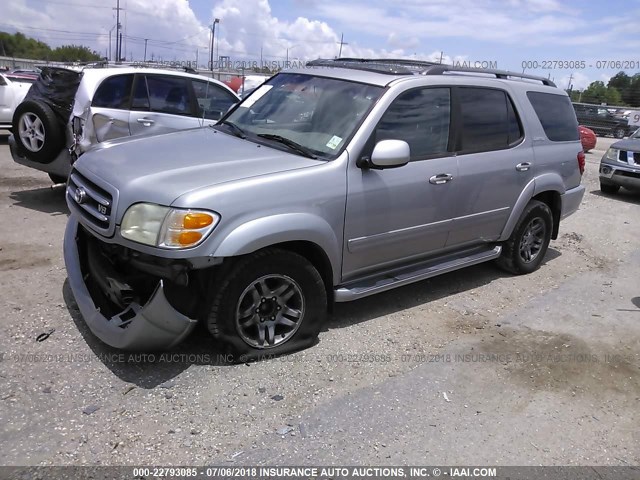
<point x="114" y="92"/>
<point x="488" y="120"/>
<point x="213" y="100"/>
<point x="557" y="117"/>
<point x="169" y="94"/>
<point x="421" y="118"/>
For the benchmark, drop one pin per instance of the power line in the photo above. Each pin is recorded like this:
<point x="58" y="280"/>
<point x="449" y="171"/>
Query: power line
<point x="71" y="4"/>
<point x="14" y="27"/>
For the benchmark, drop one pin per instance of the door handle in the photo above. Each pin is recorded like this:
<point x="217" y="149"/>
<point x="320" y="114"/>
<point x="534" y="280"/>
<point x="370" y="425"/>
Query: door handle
<point x="523" y="167"/>
<point x="146" y="122"/>
<point x="441" y="178"/>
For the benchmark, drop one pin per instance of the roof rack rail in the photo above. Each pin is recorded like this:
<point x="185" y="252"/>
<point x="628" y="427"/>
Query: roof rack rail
<point x="401" y="66"/>
<point x="369" y="64"/>
<point x="107" y="64"/>
<point x="439" y="69"/>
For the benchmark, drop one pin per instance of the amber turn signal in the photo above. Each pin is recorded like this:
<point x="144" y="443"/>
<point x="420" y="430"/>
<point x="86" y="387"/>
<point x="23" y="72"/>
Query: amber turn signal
<point x="189" y="238"/>
<point x="196" y="220"/>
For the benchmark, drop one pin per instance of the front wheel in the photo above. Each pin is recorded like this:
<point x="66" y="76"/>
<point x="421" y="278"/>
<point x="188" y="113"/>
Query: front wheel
<point x="269" y="303"/>
<point x="528" y="244"/>
<point x="609" y="188"/>
<point x="57" y="178"/>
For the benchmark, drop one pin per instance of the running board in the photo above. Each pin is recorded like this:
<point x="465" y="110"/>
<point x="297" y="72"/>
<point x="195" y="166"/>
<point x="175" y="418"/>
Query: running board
<point x="415" y="273"/>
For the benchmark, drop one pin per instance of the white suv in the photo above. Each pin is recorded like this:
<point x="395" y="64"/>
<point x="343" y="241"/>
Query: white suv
<point x="70" y="110"/>
<point x="13" y="88"/>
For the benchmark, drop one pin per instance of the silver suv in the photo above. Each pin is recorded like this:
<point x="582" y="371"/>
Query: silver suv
<point x="327" y="184"/>
<point x="69" y="110"/>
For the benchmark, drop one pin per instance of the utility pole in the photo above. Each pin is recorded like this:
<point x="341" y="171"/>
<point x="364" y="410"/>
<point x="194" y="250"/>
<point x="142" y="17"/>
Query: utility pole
<point x="342" y="42"/>
<point x="145" y="49"/>
<point x="213" y="34"/>
<point x="569" y="86"/>
<point x="441" y="54"/>
<point x="118" y="34"/>
<point x="119" y="49"/>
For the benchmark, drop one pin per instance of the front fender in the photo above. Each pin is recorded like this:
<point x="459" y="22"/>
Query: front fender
<point x="288" y="227"/>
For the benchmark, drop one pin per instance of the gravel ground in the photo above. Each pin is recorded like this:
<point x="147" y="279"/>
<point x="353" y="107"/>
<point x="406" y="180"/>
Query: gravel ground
<point x="475" y="366"/>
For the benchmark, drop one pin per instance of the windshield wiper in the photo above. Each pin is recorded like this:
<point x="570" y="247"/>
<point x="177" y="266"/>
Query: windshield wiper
<point x="289" y="143"/>
<point x="235" y="130"/>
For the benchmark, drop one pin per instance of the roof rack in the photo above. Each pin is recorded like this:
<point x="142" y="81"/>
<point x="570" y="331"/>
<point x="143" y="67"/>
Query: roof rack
<point x="501" y="74"/>
<point x="380" y="65"/>
<point x="108" y="64"/>
<point x="400" y="66"/>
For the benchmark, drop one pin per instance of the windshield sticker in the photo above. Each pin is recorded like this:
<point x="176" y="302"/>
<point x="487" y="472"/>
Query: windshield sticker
<point x="255" y="96"/>
<point x="334" y="142"/>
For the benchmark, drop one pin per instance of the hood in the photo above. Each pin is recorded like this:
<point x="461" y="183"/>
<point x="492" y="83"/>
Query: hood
<point x="632" y="144"/>
<point x="161" y="168"/>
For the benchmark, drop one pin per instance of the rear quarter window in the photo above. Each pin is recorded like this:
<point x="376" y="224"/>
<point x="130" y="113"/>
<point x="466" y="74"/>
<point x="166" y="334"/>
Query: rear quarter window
<point x="114" y="92"/>
<point x="557" y="116"/>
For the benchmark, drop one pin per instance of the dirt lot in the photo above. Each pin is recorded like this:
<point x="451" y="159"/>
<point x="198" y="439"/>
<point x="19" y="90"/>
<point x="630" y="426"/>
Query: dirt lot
<point x="473" y="367"/>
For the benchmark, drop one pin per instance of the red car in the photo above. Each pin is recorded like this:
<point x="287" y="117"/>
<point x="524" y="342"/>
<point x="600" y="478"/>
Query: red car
<point x="587" y="138"/>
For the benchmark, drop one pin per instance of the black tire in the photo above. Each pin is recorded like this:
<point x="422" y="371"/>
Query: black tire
<point x="46" y="131"/>
<point x="234" y="293"/>
<point x="536" y="214"/>
<point x="57" y="178"/>
<point x="619" y="133"/>
<point x="609" y="188"/>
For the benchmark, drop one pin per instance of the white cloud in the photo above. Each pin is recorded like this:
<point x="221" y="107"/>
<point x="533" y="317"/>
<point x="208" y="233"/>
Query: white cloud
<point x="372" y="28"/>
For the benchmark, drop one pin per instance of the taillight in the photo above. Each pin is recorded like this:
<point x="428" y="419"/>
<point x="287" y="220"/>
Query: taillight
<point x="581" y="162"/>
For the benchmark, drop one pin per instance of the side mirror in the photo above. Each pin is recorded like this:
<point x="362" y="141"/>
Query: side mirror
<point x="390" y="154"/>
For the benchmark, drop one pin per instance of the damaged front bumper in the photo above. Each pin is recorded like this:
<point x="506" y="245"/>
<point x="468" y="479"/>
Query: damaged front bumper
<point x="156" y="325"/>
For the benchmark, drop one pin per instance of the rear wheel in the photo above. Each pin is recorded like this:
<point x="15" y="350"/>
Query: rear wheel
<point x="269" y="303"/>
<point x="37" y="131"/>
<point x="619" y="132"/>
<point x="609" y="188"/>
<point x="528" y="244"/>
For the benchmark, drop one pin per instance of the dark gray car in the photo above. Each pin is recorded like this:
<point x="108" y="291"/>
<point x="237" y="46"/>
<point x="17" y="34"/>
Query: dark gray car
<point x="620" y="165"/>
<point x="324" y="185"/>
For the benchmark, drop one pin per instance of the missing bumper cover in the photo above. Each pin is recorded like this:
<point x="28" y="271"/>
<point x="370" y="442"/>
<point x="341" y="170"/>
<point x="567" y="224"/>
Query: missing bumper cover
<point x="155" y="325"/>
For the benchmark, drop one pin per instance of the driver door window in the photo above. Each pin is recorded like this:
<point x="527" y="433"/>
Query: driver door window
<point x="420" y="117"/>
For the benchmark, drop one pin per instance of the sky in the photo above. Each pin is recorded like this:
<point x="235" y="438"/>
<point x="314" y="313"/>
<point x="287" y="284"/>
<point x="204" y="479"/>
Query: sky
<point x="569" y="40"/>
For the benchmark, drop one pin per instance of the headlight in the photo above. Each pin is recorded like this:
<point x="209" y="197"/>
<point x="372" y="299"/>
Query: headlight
<point x="167" y="227"/>
<point x="612" y="154"/>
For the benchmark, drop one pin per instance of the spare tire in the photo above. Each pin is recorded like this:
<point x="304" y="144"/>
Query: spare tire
<point x="38" y="133"/>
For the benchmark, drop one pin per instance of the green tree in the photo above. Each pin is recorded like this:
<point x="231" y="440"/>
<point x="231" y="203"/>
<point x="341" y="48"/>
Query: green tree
<point x="74" y="53"/>
<point x="595" y="93"/>
<point x="20" y="46"/>
<point x="613" y="97"/>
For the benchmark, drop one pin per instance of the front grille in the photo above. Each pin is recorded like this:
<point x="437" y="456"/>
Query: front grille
<point x="92" y="202"/>
<point x="623" y="156"/>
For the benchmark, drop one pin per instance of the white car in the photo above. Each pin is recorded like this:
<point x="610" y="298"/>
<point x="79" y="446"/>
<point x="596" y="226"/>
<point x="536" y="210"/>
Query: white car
<point x="71" y="109"/>
<point x="13" y="89"/>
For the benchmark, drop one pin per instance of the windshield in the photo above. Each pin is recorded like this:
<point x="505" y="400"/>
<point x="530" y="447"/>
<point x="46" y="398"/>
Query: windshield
<point x="294" y="110"/>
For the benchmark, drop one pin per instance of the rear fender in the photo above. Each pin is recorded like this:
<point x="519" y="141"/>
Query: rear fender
<point x="542" y="183"/>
